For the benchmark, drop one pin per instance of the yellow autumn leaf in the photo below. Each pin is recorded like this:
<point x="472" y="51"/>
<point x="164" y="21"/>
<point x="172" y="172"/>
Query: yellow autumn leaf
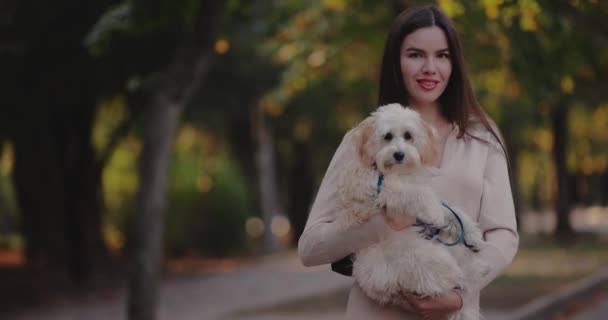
<point x="221" y="46"/>
<point x="452" y="8"/>
<point x="316" y="58"/>
<point x="567" y="84"/>
<point x="587" y="165"/>
<point x="302" y="129"/>
<point x="578" y="122"/>
<point x="599" y="123"/>
<point x="544" y="139"/>
<point x="6" y="159"/>
<point x="529" y="11"/>
<point x="491" y="8"/>
<point x="335" y="5"/>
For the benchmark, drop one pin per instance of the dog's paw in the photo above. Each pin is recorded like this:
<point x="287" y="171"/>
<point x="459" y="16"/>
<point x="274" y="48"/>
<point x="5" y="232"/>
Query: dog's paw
<point x="474" y="244"/>
<point x="473" y="239"/>
<point x="472" y="247"/>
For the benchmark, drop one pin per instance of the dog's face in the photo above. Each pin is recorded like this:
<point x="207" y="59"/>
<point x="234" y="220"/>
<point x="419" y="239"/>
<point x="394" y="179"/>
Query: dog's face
<point x="396" y="140"/>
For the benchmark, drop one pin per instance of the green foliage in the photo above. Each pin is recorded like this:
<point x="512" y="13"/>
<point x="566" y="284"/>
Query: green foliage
<point x="156" y="13"/>
<point x="121" y="182"/>
<point x="8" y="203"/>
<point x="326" y="39"/>
<point x="208" y="200"/>
<point x="120" y="175"/>
<point x="183" y="218"/>
<point x="313" y="67"/>
<point x="208" y="196"/>
<point x="226" y="208"/>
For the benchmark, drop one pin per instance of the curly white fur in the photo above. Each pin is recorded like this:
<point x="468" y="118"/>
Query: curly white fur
<point x="396" y="142"/>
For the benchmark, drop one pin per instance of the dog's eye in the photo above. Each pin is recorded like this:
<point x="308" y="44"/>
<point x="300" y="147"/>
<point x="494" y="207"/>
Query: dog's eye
<point x="388" y="136"/>
<point x="407" y="135"/>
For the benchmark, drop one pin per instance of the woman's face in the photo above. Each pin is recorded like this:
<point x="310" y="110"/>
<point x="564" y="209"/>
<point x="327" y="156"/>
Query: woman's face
<point x="425" y="65"/>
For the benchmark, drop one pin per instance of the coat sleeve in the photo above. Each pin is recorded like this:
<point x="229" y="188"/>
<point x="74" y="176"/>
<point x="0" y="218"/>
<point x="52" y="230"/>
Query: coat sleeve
<point x="497" y="215"/>
<point x="322" y="242"/>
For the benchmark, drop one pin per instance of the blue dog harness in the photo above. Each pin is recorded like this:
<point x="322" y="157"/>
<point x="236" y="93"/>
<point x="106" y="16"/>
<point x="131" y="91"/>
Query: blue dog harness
<point x="429" y="231"/>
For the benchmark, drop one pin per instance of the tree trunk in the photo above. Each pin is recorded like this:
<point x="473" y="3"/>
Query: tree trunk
<point x="177" y="85"/>
<point x="53" y="97"/>
<point x="58" y="185"/>
<point x="158" y="138"/>
<point x="39" y="193"/>
<point x="87" y="252"/>
<point x="267" y="182"/>
<point x="180" y="83"/>
<point x="563" y="202"/>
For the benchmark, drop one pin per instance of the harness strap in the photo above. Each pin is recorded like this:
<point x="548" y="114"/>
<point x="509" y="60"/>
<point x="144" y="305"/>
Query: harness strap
<point x="379" y="184"/>
<point x="431" y="231"/>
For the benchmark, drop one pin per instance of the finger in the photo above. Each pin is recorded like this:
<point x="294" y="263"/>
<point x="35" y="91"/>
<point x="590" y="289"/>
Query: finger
<point x="417" y="298"/>
<point x="413" y="295"/>
<point x="386" y="217"/>
<point x="423" y="305"/>
<point x="411" y="299"/>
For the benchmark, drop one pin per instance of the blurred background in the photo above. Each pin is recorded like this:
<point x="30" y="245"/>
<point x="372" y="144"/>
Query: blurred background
<point x="195" y="133"/>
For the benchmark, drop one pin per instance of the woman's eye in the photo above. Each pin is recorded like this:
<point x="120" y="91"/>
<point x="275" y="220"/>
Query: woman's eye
<point x="388" y="136"/>
<point x="414" y="55"/>
<point x="444" y="55"/>
<point x="407" y="136"/>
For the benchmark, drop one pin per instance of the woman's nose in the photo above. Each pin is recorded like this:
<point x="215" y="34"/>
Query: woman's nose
<point x="429" y="66"/>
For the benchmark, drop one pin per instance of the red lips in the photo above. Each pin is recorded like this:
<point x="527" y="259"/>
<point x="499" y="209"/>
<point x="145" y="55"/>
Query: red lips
<point x="427" y="84"/>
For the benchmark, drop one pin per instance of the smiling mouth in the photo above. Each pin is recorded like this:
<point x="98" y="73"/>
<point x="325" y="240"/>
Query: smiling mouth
<point x="427" y="84"/>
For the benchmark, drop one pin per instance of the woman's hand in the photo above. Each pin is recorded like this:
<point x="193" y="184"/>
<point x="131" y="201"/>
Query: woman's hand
<point x="439" y="307"/>
<point x="395" y="223"/>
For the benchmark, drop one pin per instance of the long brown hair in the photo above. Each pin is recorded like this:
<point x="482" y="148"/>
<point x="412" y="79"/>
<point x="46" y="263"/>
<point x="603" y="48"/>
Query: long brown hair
<point x="458" y="102"/>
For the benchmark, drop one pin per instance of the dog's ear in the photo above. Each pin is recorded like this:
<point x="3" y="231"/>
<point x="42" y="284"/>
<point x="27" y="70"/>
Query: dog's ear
<point x="429" y="152"/>
<point x="365" y="142"/>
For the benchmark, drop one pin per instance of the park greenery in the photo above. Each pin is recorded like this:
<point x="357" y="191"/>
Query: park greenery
<point x="192" y="127"/>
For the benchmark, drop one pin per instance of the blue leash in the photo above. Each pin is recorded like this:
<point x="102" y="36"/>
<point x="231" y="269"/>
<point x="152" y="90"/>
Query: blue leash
<point x="461" y="238"/>
<point x="430" y="231"/>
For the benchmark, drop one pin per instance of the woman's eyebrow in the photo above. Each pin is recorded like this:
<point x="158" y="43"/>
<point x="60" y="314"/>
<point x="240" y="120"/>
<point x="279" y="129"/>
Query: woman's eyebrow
<point x="414" y="49"/>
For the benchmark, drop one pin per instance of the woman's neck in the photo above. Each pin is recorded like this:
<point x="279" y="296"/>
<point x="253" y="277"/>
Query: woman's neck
<point x="431" y="114"/>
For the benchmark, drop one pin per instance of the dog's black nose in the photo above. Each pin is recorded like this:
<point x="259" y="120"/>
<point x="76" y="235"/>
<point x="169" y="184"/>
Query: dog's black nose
<point x="398" y="155"/>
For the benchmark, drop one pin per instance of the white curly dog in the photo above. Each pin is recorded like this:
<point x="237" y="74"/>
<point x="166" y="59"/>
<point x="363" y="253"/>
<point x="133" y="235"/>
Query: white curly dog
<point x="394" y="145"/>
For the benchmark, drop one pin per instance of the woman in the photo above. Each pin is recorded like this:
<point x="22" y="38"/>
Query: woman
<point x="423" y="68"/>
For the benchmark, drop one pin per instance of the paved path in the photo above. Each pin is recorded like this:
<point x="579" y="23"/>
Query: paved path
<point x="271" y="289"/>
<point x="598" y="312"/>
<point x="595" y="306"/>
<point x="213" y="296"/>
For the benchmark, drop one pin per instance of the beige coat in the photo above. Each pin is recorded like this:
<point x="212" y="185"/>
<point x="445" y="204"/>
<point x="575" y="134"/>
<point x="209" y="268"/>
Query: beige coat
<point x="472" y="177"/>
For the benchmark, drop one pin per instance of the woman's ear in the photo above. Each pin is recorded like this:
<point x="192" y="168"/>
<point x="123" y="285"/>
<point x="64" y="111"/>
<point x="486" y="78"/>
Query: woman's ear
<point x="365" y="141"/>
<point x="429" y="152"/>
